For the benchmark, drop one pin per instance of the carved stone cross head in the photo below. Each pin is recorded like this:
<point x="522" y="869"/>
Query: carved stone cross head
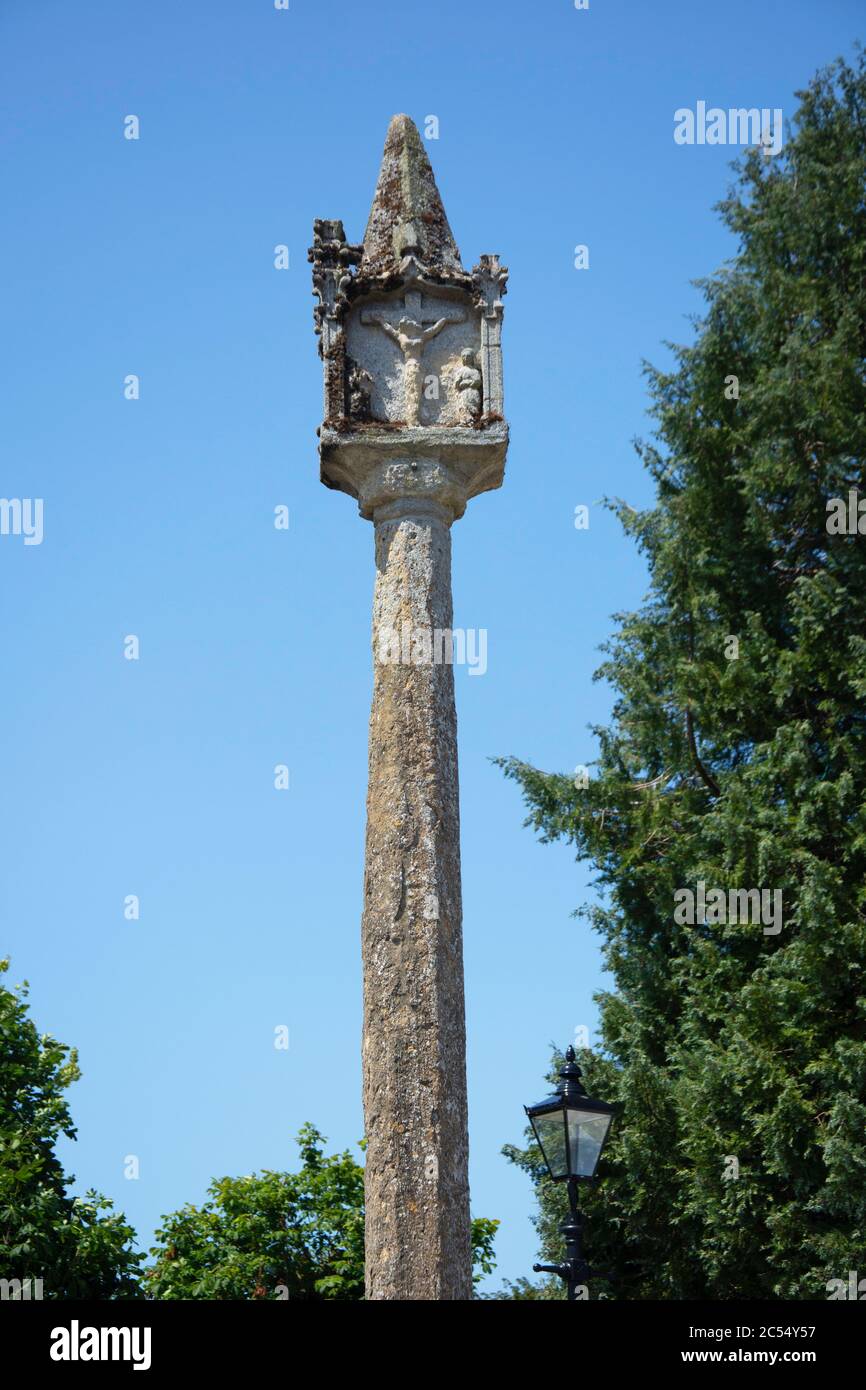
<point x="411" y="346"/>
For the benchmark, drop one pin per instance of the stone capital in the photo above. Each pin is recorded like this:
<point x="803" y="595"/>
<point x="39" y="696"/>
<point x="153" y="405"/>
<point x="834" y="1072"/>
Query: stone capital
<point x="407" y="472"/>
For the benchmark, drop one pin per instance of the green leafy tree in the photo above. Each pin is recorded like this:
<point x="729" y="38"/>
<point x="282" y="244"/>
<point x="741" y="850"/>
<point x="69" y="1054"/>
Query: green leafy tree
<point x="524" y="1291"/>
<point x="278" y="1235"/>
<point x="736" y="755"/>
<point x="78" y="1246"/>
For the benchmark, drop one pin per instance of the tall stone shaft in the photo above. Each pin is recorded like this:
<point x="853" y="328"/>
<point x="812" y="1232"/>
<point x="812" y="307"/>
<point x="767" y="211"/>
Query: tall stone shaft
<point x="417" y="1182"/>
<point x="412" y="429"/>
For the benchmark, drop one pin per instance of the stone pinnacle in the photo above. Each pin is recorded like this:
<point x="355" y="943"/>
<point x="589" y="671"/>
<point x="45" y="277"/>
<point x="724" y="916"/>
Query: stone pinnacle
<point x="407" y="216"/>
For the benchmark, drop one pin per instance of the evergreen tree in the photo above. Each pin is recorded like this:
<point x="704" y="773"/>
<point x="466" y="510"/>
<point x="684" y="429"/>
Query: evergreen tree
<point x="736" y="756"/>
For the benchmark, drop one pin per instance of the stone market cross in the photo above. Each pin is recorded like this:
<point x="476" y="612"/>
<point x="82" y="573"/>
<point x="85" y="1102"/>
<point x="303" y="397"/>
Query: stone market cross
<point x="412" y="464"/>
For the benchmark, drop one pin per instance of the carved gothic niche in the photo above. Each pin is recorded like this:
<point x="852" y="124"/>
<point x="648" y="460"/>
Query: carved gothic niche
<point x="411" y="342"/>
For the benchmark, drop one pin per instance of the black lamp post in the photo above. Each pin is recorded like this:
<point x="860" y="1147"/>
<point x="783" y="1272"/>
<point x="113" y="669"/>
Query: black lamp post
<point x="571" y="1130"/>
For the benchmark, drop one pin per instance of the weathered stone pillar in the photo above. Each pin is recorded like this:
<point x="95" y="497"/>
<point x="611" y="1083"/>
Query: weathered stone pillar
<point x="417" y="1182"/>
<point x="413" y="429"/>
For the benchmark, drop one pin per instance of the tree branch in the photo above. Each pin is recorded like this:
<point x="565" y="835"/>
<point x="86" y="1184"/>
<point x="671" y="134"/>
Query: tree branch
<point x="705" y="774"/>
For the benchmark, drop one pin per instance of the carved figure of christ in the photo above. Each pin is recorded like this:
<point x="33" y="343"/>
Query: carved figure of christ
<point x="411" y="336"/>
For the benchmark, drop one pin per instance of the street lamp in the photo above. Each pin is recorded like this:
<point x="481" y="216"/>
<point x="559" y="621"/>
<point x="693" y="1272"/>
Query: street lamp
<point x="571" y="1130"/>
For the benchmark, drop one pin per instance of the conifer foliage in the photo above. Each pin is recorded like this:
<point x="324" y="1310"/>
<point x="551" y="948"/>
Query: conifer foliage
<point x="736" y="758"/>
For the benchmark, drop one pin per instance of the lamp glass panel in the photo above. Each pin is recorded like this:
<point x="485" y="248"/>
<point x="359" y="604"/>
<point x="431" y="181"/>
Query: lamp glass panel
<point x="586" y="1134"/>
<point x="550" y="1133"/>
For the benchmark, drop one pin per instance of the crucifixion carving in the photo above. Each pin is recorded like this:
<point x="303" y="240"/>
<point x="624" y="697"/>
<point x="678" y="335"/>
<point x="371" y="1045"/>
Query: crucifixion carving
<point x="412" y="336"/>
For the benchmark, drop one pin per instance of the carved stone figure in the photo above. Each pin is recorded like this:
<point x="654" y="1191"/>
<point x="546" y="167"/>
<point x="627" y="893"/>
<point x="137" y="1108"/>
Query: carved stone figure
<point x="469" y="388"/>
<point x="411" y="339"/>
<point x="360" y="382"/>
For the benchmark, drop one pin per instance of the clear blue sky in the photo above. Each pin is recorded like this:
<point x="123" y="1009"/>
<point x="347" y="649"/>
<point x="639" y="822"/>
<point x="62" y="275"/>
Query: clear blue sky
<point x="155" y="777"/>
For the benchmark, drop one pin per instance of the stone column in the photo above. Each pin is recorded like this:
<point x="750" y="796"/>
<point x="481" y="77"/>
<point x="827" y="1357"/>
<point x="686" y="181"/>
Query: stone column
<point x="396" y="316"/>
<point x="417" y="1187"/>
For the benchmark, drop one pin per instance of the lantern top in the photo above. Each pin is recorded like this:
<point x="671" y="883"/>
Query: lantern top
<point x="569" y="1093"/>
<point x="569" y="1077"/>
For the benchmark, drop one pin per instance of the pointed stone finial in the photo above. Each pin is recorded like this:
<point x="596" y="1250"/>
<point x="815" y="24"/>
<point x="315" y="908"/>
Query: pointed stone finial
<point x="407" y="218"/>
